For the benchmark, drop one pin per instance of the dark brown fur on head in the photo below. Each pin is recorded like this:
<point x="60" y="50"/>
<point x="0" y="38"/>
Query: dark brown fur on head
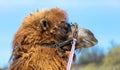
<point x="44" y="26"/>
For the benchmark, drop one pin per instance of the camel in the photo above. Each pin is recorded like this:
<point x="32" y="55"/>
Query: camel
<point x="33" y="43"/>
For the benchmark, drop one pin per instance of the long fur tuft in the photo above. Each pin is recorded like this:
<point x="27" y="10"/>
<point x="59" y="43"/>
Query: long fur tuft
<point x="28" y="54"/>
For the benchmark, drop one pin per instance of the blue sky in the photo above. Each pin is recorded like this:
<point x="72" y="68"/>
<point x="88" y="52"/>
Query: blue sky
<point x="102" y="17"/>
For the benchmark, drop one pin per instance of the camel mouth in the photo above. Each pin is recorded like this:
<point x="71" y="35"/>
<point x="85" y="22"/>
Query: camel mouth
<point x="89" y="43"/>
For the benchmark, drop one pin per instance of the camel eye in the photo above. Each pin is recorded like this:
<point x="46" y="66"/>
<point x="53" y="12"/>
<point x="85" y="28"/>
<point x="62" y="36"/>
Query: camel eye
<point x="44" y="24"/>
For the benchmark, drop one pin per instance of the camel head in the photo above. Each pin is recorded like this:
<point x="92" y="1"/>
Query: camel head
<point x="39" y="32"/>
<point x="50" y="26"/>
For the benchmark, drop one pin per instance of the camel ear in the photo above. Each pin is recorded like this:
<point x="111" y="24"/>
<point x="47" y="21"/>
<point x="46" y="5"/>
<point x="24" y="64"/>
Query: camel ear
<point x="44" y="24"/>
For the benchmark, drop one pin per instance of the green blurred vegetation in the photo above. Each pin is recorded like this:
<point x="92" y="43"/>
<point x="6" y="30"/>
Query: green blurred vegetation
<point x="99" y="61"/>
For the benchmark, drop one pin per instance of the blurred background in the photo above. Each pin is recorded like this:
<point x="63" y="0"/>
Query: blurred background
<point x="102" y="17"/>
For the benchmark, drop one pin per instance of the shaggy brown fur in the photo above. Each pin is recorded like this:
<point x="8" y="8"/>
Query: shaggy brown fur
<point x="28" y="54"/>
<point x="45" y="27"/>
